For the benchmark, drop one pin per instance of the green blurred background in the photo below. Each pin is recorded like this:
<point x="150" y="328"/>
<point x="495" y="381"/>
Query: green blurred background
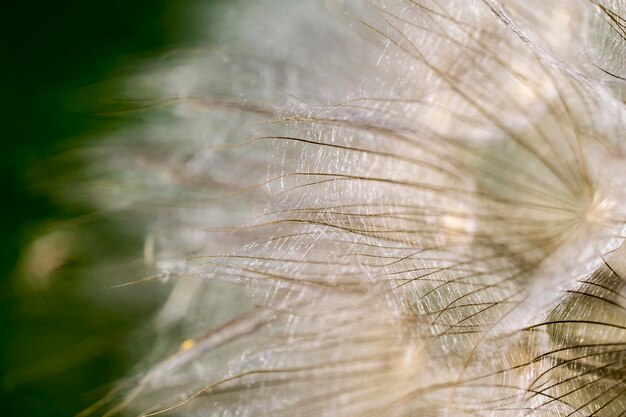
<point x="61" y="350"/>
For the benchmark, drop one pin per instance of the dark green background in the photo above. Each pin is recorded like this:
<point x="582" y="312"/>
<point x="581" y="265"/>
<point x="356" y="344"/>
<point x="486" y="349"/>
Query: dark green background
<point x="60" y="352"/>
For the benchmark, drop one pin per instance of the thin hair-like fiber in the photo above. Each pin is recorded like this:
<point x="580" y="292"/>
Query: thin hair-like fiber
<point x="380" y="208"/>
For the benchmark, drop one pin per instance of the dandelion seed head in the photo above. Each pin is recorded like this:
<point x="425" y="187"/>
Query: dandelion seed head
<point x="383" y="208"/>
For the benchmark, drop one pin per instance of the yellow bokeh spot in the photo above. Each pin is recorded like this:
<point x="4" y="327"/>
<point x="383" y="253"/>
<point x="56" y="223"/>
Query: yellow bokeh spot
<point x="187" y="345"/>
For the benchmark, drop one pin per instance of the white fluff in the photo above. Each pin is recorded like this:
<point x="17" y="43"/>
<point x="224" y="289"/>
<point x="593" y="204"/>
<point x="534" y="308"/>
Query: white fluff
<point x="385" y="208"/>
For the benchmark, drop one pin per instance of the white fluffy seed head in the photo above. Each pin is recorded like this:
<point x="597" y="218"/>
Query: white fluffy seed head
<point x="385" y="208"/>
